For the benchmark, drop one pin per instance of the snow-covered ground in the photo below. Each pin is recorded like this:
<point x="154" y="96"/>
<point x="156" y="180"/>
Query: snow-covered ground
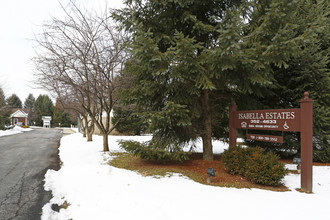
<point x="14" y="130"/>
<point x="98" y="191"/>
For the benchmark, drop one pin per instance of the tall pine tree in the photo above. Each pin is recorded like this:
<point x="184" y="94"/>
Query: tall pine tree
<point x="14" y="101"/>
<point x="2" y="98"/>
<point x="4" y="111"/>
<point x="190" y="57"/>
<point x="307" y="70"/>
<point x="29" y="102"/>
<point x="43" y="106"/>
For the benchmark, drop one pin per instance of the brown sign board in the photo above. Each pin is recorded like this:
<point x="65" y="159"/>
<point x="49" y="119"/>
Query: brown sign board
<point x="272" y="119"/>
<point x="265" y="138"/>
<point x="300" y="120"/>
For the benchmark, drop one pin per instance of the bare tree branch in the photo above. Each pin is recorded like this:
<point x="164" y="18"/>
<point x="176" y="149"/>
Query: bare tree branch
<point x="79" y="58"/>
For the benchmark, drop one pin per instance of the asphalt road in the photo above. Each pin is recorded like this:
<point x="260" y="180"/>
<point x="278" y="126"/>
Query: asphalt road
<point x="24" y="160"/>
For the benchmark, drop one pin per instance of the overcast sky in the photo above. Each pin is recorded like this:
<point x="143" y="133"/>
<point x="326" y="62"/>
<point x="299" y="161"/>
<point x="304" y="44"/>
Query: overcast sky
<point x="19" y="20"/>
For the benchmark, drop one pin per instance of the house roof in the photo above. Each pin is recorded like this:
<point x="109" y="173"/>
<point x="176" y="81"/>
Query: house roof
<point x="19" y="113"/>
<point x="25" y="110"/>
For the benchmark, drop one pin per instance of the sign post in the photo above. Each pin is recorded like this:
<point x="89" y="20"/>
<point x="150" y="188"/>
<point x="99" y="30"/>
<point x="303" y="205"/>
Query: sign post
<point x="232" y="129"/>
<point x="306" y="139"/>
<point x="299" y="120"/>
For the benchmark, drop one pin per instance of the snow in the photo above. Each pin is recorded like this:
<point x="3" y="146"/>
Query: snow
<point x="96" y="190"/>
<point x="14" y="130"/>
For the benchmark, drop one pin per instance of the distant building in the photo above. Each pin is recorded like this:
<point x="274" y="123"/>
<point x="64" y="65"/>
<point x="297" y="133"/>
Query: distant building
<point x="97" y="131"/>
<point x="46" y="121"/>
<point x="20" y="116"/>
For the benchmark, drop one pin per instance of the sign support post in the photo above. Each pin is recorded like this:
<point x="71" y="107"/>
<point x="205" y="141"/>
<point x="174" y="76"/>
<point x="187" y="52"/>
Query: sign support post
<point x="232" y="129"/>
<point x="306" y="138"/>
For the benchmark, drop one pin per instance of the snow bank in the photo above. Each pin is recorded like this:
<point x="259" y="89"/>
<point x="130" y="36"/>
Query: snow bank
<point x="96" y="190"/>
<point x="14" y="130"/>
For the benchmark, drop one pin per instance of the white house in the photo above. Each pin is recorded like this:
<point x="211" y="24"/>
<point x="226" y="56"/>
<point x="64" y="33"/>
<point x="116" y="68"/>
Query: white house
<point x="96" y="129"/>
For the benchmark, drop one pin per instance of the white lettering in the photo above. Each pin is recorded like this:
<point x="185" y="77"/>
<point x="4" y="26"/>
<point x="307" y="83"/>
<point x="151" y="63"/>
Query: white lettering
<point x="240" y="116"/>
<point x="292" y="115"/>
<point x="266" y="116"/>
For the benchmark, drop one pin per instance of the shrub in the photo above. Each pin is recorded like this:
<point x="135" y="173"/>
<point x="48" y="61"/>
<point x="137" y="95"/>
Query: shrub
<point x="233" y="160"/>
<point x="149" y="151"/>
<point x="264" y="168"/>
<point x="254" y="164"/>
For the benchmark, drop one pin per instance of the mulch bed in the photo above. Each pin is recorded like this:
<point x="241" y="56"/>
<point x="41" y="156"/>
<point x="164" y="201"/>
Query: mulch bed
<point x="197" y="167"/>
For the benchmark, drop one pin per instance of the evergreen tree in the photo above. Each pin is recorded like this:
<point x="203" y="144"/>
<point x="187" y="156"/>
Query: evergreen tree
<point x="4" y="117"/>
<point x="14" y="101"/>
<point x="2" y="98"/>
<point x="29" y="104"/>
<point x="61" y="118"/>
<point x="308" y="70"/>
<point x="4" y="111"/>
<point x="29" y="101"/>
<point x="189" y="58"/>
<point x="43" y="106"/>
<point x="135" y="123"/>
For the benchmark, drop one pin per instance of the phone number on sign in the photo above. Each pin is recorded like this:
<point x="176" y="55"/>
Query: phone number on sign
<point x="263" y="121"/>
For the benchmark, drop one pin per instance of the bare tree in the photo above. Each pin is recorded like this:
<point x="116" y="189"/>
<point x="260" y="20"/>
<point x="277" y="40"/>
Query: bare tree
<point x="70" y="102"/>
<point x="80" y="56"/>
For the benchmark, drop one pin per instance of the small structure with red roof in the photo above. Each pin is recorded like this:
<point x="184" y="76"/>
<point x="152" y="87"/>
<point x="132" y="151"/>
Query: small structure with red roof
<point x="20" y="117"/>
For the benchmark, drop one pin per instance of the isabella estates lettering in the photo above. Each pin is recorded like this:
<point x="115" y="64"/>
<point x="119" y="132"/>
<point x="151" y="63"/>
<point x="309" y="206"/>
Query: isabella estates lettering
<point x="267" y="115"/>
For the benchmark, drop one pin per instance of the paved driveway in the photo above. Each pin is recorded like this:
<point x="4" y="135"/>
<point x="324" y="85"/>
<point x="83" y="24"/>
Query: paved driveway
<point x="24" y="160"/>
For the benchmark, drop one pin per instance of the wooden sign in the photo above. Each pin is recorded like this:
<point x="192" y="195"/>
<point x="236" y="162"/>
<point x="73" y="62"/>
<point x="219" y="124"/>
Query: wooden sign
<point x="300" y="120"/>
<point x="273" y="119"/>
<point x="265" y="138"/>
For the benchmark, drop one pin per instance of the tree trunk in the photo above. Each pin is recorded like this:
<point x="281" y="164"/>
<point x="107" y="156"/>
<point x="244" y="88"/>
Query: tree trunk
<point x="105" y="142"/>
<point x="89" y="136"/>
<point x="90" y="130"/>
<point x="83" y="126"/>
<point x="207" y="126"/>
<point x="83" y="130"/>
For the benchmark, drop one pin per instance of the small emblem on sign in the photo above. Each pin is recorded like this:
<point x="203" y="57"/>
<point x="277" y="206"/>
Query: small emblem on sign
<point x="243" y="124"/>
<point x="286" y="126"/>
